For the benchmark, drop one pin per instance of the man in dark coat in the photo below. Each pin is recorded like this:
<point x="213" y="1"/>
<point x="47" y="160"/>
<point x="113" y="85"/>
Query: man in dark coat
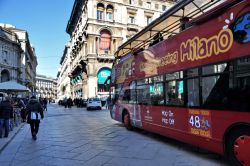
<point x="6" y="111"/>
<point x="34" y="108"/>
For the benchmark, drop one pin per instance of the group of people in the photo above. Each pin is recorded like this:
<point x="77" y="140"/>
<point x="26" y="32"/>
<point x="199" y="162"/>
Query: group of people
<point x="79" y="102"/>
<point x="66" y="102"/>
<point x="31" y="110"/>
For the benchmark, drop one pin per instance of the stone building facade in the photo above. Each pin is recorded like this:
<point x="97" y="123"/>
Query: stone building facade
<point x="18" y="59"/>
<point x="46" y="87"/>
<point x="97" y="28"/>
<point x="63" y="79"/>
<point x="10" y="56"/>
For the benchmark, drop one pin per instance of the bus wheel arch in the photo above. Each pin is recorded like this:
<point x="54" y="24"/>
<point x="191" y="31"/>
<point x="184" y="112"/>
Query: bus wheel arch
<point x="126" y="120"/>
<point x="237" y="143"/>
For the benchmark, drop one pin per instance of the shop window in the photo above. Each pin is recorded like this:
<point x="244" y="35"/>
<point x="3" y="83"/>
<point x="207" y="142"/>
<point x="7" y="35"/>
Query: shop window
<point x="102" y="76"/>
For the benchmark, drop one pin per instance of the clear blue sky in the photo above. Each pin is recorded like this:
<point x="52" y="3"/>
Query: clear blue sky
<point x="46" y="22"/>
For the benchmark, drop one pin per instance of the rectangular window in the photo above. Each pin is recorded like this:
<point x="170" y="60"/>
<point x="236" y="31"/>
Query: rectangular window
<point x="132" y="88"/>
<point x="109" y="16"/>
<point x="131" y="19"/>
<point x="148" y="19"/>
<point x="208" y="83"/>
<point x="164" y="8"/>
<point x="192" y="72"/>
<point x="148" y="5"/>
<point x="156" y="94"/>
<point x="175" y="93"/>
<point x="193" y="92"/>
<point x="143" y="94"/>
<point x="99" y="15"/>
<point x="131" y="2"/>
<point x="140" y="2"/>
<point x="156" y="6"/>
<point x="174" y="76"/>
<point x="212" y="69"/>
<point x="142" y="81"/>
<point x="155" y="79"/>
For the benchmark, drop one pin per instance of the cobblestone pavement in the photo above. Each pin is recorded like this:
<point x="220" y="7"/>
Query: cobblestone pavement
<point x="79" y="137"/>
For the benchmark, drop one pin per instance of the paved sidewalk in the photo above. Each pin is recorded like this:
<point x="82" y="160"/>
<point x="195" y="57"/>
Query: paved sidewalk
<point x="76" y="137"/>
<point x="5" y="141"/>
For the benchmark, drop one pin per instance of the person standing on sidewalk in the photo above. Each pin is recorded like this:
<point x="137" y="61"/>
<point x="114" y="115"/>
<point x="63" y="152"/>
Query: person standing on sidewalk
<point x="6" y="110"/>
<point x="22" y="106"/>
<point x="34" y="108"/>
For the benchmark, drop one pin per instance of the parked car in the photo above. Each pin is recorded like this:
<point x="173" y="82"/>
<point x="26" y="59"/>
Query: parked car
<point x="94" y="103"/>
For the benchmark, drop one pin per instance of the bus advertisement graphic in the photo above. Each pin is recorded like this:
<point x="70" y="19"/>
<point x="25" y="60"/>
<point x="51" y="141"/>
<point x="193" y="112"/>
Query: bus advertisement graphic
<point x="199" y="122"/>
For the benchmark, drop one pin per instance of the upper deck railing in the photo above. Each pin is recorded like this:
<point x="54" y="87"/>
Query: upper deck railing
<point x="179" y="17"/>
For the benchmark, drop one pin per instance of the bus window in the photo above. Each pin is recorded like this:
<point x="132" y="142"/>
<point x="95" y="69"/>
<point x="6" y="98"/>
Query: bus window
<point x="215" y="88"/>
<point x="132" y="88"/>
<point x="193" y="92"/>
<point x="211" y="97"/>
<point x="242" y="85"/>
<point x="174" y="93"/>
<point x="174" y="76"/>
<point x="192" y="72"/>
<point x="156" y="94"/>
<point x="143" y="95"/>
<point x="212" y="69"/>
<point x="142" y="81"/>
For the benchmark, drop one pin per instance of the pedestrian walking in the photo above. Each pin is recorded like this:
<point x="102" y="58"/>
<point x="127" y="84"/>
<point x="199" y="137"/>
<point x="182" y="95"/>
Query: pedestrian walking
<point x="22" y="106"/>
<point x="69" y="102"/>
<point x="45" y="102"/>
<point x="35" y="113"/>
<point x="6" y="111"/>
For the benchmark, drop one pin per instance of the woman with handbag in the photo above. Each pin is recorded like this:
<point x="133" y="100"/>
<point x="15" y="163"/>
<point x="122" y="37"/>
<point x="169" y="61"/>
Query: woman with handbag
<point x="35" y="113"/>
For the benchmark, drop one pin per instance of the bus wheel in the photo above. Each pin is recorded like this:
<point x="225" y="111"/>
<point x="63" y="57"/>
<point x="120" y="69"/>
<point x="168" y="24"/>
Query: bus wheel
<point x="126" y="120"/>
<point x="239" y="147"/>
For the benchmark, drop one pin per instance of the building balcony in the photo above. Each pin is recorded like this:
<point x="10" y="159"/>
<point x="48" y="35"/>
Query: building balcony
<point x="133" y="27"/>
<point x="106" y="58"/>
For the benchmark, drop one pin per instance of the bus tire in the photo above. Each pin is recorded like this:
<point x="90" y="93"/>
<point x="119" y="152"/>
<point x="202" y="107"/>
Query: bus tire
<point x="126" y="121"/>
<point x="238" y="147"/>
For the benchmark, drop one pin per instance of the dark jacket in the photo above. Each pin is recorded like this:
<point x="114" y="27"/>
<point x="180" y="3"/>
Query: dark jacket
<point x="34" y="106"/>
<point x="6" y="110"/>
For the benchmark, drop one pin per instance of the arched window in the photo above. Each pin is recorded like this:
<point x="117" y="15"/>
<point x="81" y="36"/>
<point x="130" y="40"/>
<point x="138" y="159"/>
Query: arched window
<point x="109" y="13"/>
<point x="105" y="40"/>
<point x="100" y="11"/>
<point x="5" y="76"/>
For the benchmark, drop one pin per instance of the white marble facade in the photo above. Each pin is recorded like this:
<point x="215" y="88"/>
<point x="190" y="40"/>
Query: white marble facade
<point x="18" y="60"/>
<point x="10" y="56"/>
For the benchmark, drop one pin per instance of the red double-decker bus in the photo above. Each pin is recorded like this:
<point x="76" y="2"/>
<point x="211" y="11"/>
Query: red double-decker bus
<point x="187" y="76"/>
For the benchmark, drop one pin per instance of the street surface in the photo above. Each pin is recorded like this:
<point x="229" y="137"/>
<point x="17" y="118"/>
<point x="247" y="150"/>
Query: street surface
<point x="79" y="137"/>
